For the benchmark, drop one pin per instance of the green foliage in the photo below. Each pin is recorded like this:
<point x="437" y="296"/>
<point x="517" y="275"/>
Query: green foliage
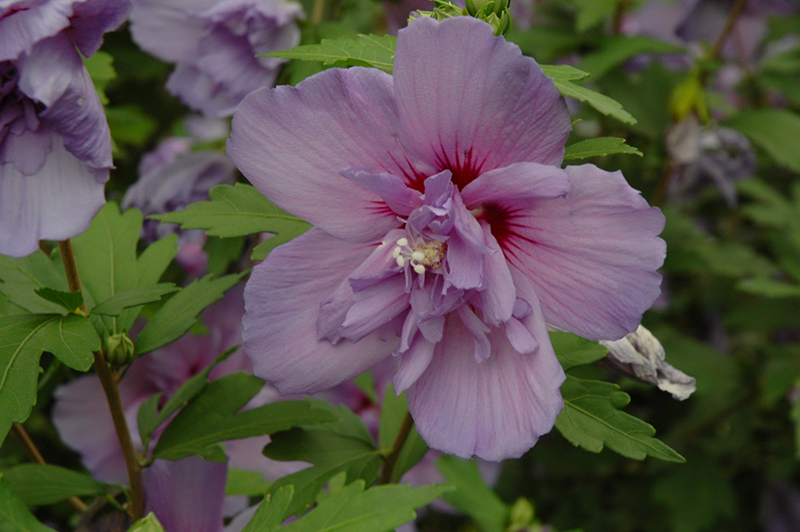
<point x="39" y="484"/>
<point x="615" y="50"/>
<point x="564" y="75"/>
<point x="590" y="13"/>
<point x="135" y="297"/>
<point x="129" y="126"/>
<point x="241" y="482"/>
<point x="393" y="412"/>
<point x="272" y="511"/>
<point x="101" y="69"/>
<point x="365" y="50"/>
<point x="599" y="147"/>
<point x="71" y="338"/>
<point x="774" y="130"/>
<point x="14" y="514"/>
<point x="221" y="252"/>
<point x="236" y="211"/>
<point x="71" y="301"/>
<point x="340" y="446"/>
<point x="22" y="277"/>
<point x="180" y="312"/>
<point x="472" y="496"/>
<point x="572" y="350"/>
<point x="591" y="419"/>
<point x="213" y="416"/>
<point x="148" y="523"/>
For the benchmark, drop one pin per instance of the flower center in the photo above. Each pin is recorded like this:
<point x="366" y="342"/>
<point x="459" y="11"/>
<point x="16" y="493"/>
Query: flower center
<point x="421" y="255"/>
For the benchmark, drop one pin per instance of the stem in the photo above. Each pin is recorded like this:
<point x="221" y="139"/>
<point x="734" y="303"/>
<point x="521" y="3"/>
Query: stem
<point x="726" y="31"/>
<point x="109" y="382"/>
<point x="397" y="447"/>
<point x="619" y="14"/>
<point x="317" y="12"/>
<point x="36" y="456"/>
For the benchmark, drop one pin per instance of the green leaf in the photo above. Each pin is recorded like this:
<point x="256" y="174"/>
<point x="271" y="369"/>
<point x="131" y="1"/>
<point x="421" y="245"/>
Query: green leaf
<point x="774" y="130"/>
<point x="38" y="484"/>
<point x="148" y="523"/>
<point x="236" y="211"/>
<point x="22" y="277"/>
<point x="108" y="264"/>
<point x="221" y="252"/>
<point x="599" y="147"/>
<point x="472" y="496"/>
<point x="573" y="351"/>
<point x="366" y="383"/>
<point x="365" y="50"/>
<point x="14" y="514"/>
<point x="178" y="314"/>
<point x="71" y="338"/>
<point x="344" y="445"/>
<point x="213" y="416"/>
<point x="592" y="12"/>
<point x="147" y="419"/>
<point x="615" y="50"/>
<point x="271" y="511"/>
<point x="393" y="412"/>
<point x="590" y="419"/>
<point x="19" y="368"/>
<point x="101" y="70"/>
<point x="250" y="483"/>
<point x="769" y="288"/>
<point x="378" y="509"/>
<point x="71" y="301"/>
<point x="133" y="298"/>
<point x="130" y="124"/>
<point x="563" y="77"/>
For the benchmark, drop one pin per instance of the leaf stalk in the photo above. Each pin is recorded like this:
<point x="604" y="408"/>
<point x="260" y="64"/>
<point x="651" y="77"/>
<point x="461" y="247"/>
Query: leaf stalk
<point x="397" y="447"/>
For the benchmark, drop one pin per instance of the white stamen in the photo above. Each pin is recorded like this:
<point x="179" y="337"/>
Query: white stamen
<point x="402" y="242"/>
<point x="396" y="252"/>
<point x="418" y="256"/>
<point x="419" y="268"/>
<point x="421" y="255"/>
<point x="401" y="261"/>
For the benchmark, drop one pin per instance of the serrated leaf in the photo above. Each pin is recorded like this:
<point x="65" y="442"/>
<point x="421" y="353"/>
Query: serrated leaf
<point x="21" y="277"/>
<point x="14" y="514"/>
<point x="599" y="147"/>
<point x="38" y="484"/>
<point x="365" y="50"/>
<point x="133" y="298"/>
<point x="19" y="368"/>
<point x="271" y="512"/>
<point x="378" y="509"/>
<point x="341" y="446"/>
<point x="236" y="211"/>
<point x="250" y="483"/>
<point x="472" y="496"/>
<point x="590" y="419"/>
<point x="573" y="351"/>
<point x="178" y="314"/>
<point x="213" y="416"/>
<point x="71" y="301"/>
<point x="774" y="130"/>
<point x="147" y="419"/>
<point x="71" y="338"/>
<point x="108" y="263"/>
<point x="393" y="412"/>
<point x="221" y="252"/>
<point x="563" y="77"/>
<point x="148" y="523"/>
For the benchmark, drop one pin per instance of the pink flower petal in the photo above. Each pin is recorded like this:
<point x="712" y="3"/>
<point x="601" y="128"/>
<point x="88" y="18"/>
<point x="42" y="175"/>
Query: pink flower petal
<point x="282" y="301"/>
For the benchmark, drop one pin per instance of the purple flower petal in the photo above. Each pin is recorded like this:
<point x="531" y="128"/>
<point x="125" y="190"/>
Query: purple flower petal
<point x="496" y="409"/>
<point x="413" y="363"/>
<point x="92" y="18"/>
<point x="591" y="257"/>
<point x="162" y="28"/>
<point x="515" y="185"/>
<point x="186" y="495"/>
<point x="391" y="188"/>
<point x="500" y="295"/>
<point x="476" y="103"/>
<point x="24" y="23"/>
<point x="282" y="300"/>
<point x="291" y="143"/>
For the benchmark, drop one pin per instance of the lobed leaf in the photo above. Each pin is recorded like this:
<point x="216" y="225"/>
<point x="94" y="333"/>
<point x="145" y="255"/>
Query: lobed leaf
<point x="599" y="147"/>
<point x="573" y="351"/>
<point x="271" y="511"/>
<point x="563" y="76"/>
<point x="591" y="419"/>
<point x="393" y="412"/>
<point x="14" y="514"/>
<point x="41" y="484"/>
<point x="22" y="277"/>
<point x="134" y="297"/>
<point x="472" y="496"/>
<point x="365" y="50"/>
<point x="70" y="301"/>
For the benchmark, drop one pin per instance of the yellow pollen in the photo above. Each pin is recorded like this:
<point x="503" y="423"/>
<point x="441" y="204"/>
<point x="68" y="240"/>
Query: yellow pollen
<point x="421" y="256"/>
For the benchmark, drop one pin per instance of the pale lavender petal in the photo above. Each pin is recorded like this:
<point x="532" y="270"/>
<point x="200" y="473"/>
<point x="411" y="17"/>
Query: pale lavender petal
<point x="92" y="18"/>
<point x="466" y="250"/>
<point x="478" y="331"/>
<point x="282" y="301"/>
<point x="500" y="295"/>
<point x="520" y="338"/>
<point x="24" y="23"/>
<point x="496" y="409"/>
<point x="291" y="144"/>
<point x="391" y="188"/>
<point x="412" y="364"/>
<point x="591" y="257"/>
<point x="186" y="495"/>
<point x="476" y="111"/>
<point x="374" y="306"/>
<point x="162" y="27"/>
<point x="56" y="203"/>
<point x="516" y="184"/>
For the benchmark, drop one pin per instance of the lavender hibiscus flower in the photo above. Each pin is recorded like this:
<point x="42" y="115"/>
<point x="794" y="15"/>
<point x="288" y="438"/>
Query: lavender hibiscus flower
<point x="446" y="234"/>
<point x="55" y="146"/>
<point x="215" y="43"/>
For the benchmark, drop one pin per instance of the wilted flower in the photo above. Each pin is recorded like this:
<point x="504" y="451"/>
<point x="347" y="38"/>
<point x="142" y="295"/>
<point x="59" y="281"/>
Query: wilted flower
<point x="55" y="146"/>
<point x="446" y="233"/>
<point x="215" y="43"/>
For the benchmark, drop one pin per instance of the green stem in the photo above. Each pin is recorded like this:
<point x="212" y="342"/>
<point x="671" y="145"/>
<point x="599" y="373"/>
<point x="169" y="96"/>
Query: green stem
<point x="726" y="31"/>
<point x="111" y="389"/>
<point x="317" y="12"/>
<point x="397" y="447"/>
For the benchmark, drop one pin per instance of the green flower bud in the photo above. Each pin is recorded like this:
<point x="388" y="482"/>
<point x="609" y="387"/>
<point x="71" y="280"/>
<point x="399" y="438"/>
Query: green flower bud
<point x="521" y="515"/>
<point x="119" y="349"/>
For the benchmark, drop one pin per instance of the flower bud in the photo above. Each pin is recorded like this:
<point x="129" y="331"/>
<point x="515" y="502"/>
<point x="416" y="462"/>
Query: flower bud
<point x="119" y="349"/>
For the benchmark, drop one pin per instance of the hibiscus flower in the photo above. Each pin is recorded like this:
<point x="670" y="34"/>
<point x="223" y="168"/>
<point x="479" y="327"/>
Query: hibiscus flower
<point x="446" y="235"/>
